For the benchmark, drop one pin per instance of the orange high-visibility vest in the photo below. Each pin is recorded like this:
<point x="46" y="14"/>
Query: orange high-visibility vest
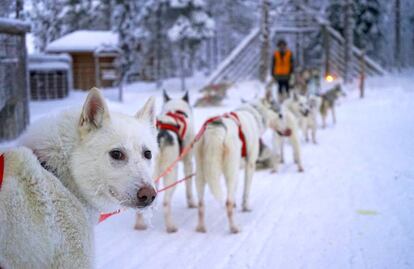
<point x="282" y="64"/>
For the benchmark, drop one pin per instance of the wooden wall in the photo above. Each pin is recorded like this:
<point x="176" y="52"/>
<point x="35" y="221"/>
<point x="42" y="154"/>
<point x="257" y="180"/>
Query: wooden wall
<point x="108" y="74"/>
<point x="83" y="70"/>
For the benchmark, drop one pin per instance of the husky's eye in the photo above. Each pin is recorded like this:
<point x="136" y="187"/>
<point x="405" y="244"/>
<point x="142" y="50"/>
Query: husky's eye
<point x="116" y="154"/>
<point x="148" y="154"/>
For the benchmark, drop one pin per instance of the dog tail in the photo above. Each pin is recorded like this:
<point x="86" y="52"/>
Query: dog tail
<point x="213" y="151"/>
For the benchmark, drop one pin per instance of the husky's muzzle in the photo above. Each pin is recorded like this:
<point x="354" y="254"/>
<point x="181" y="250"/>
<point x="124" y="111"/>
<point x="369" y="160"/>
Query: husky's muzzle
<point x="146" y="195"/>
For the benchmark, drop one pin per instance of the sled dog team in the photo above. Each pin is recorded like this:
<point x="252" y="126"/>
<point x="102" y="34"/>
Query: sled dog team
<point x="71" y="167"/>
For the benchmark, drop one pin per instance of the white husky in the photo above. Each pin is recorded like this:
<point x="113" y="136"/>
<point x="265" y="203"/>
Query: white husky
<point x="93" y="161"/>
<point x="219" y="151"/>
<point x="175" y="132"/>
<point x="306" y="110"/>
<point x="285" y="126"/>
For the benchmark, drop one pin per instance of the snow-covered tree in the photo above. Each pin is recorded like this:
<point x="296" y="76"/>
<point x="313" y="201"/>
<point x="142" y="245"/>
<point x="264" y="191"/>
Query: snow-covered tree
<point x="11" y="8"/>
<point x="75" y="15"/>
<point x="127" y="17"/>
<point x="47" y="23"/>
<point x="52" y="19"/>
<point x="192" y="26"/>
<point x="234" y="20"/>
<point x="366" y="19"/>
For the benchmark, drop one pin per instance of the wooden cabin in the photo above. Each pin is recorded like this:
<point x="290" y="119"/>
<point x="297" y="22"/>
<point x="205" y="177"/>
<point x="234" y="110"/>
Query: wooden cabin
<point x="93" y="57"/>
<point x="50" y="76"/>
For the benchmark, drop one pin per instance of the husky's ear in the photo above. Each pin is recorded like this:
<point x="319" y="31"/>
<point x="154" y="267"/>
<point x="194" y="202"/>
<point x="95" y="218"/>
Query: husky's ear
<point x="186" y="97"/>
<point x="165" y="96"/>
<point x="147" y="112"/>
<point x="94" y="111"/>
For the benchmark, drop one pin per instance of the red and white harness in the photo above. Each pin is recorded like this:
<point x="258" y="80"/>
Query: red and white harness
<point x="1" y="169"/>
<point x="236" y="119"/>
<point x="179" y="127"/>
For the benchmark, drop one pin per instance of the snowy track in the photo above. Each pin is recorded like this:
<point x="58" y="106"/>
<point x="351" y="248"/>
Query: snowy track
<point x="352" y="208"/>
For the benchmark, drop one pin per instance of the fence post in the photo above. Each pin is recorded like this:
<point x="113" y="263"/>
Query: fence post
<point x="264" y="34"/>
<point x="326" y="47"/>
<point x="349" y="41"/>
<point x="362" y="75"/>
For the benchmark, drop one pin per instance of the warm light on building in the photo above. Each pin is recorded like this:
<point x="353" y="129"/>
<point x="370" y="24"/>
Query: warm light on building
<point x="329" y="78"/>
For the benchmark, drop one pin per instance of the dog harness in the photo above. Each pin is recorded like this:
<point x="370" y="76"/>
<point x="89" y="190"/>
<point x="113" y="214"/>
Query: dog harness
<point x="179" y="127"/>
<point x="286" y="132"/>
<point x="235" y="118"/>
<point x="1" y="170"/>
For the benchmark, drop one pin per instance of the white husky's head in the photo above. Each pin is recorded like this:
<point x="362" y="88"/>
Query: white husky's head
<point x="112" y="163"/>
<point x="275" y="115"/>
<point x="177" y="104"/>
<point x="300" y="104"/>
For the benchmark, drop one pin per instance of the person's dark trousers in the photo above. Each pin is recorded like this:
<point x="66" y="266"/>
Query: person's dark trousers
<point x="283" y="87"/>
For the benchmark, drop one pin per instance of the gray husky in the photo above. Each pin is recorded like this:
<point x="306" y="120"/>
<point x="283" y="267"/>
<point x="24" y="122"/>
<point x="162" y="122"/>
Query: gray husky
<point x="328" y="103"/>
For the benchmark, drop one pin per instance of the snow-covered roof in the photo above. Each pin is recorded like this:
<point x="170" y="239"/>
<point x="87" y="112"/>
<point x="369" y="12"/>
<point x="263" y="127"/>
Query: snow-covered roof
<point x="49" y="62"/>
<point x="84" y="41"/>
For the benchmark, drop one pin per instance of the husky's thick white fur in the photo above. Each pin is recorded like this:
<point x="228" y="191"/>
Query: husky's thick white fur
<point x="95" y="161"/>
<point x="219" y="152"/>
<point x="306" y="110"/>
<point x="169" y="149"/>
<point x="285" y="126"/>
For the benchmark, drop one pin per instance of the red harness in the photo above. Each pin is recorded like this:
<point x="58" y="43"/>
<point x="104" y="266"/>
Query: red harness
<point x="1" y="169"/>
<point x="234" y="117"/>
<point x="180" y="126"/>
<point x="286" y="132"/>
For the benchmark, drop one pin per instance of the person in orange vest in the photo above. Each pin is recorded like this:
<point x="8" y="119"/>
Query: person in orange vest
<point x="282" y="68"/>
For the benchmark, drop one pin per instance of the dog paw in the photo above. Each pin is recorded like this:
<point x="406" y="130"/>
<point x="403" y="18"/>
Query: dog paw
<point x="300" y="170"/>
<point x="273" y="171"/>
<point x="246" y="209"/>
<point x="172" y="229"/>
<point x="234" y="230"/>
<point x="140" y="226"/>
<point x="191" y="204"/>
<point x="201" y="229"/>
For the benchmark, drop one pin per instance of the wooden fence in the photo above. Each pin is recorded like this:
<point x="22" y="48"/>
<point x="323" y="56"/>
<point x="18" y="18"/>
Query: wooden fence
<point x="14" y="95"/>
<point x="243" y="62"/>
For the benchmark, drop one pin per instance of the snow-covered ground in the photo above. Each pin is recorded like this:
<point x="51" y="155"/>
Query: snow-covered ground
<point x="351" y="208"/>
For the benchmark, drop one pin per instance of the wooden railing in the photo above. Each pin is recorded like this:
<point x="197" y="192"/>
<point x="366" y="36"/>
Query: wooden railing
<point x="243" y="62"/>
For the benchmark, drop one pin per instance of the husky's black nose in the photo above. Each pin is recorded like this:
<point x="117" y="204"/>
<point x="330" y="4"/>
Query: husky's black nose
<point x="146" y="195"/>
